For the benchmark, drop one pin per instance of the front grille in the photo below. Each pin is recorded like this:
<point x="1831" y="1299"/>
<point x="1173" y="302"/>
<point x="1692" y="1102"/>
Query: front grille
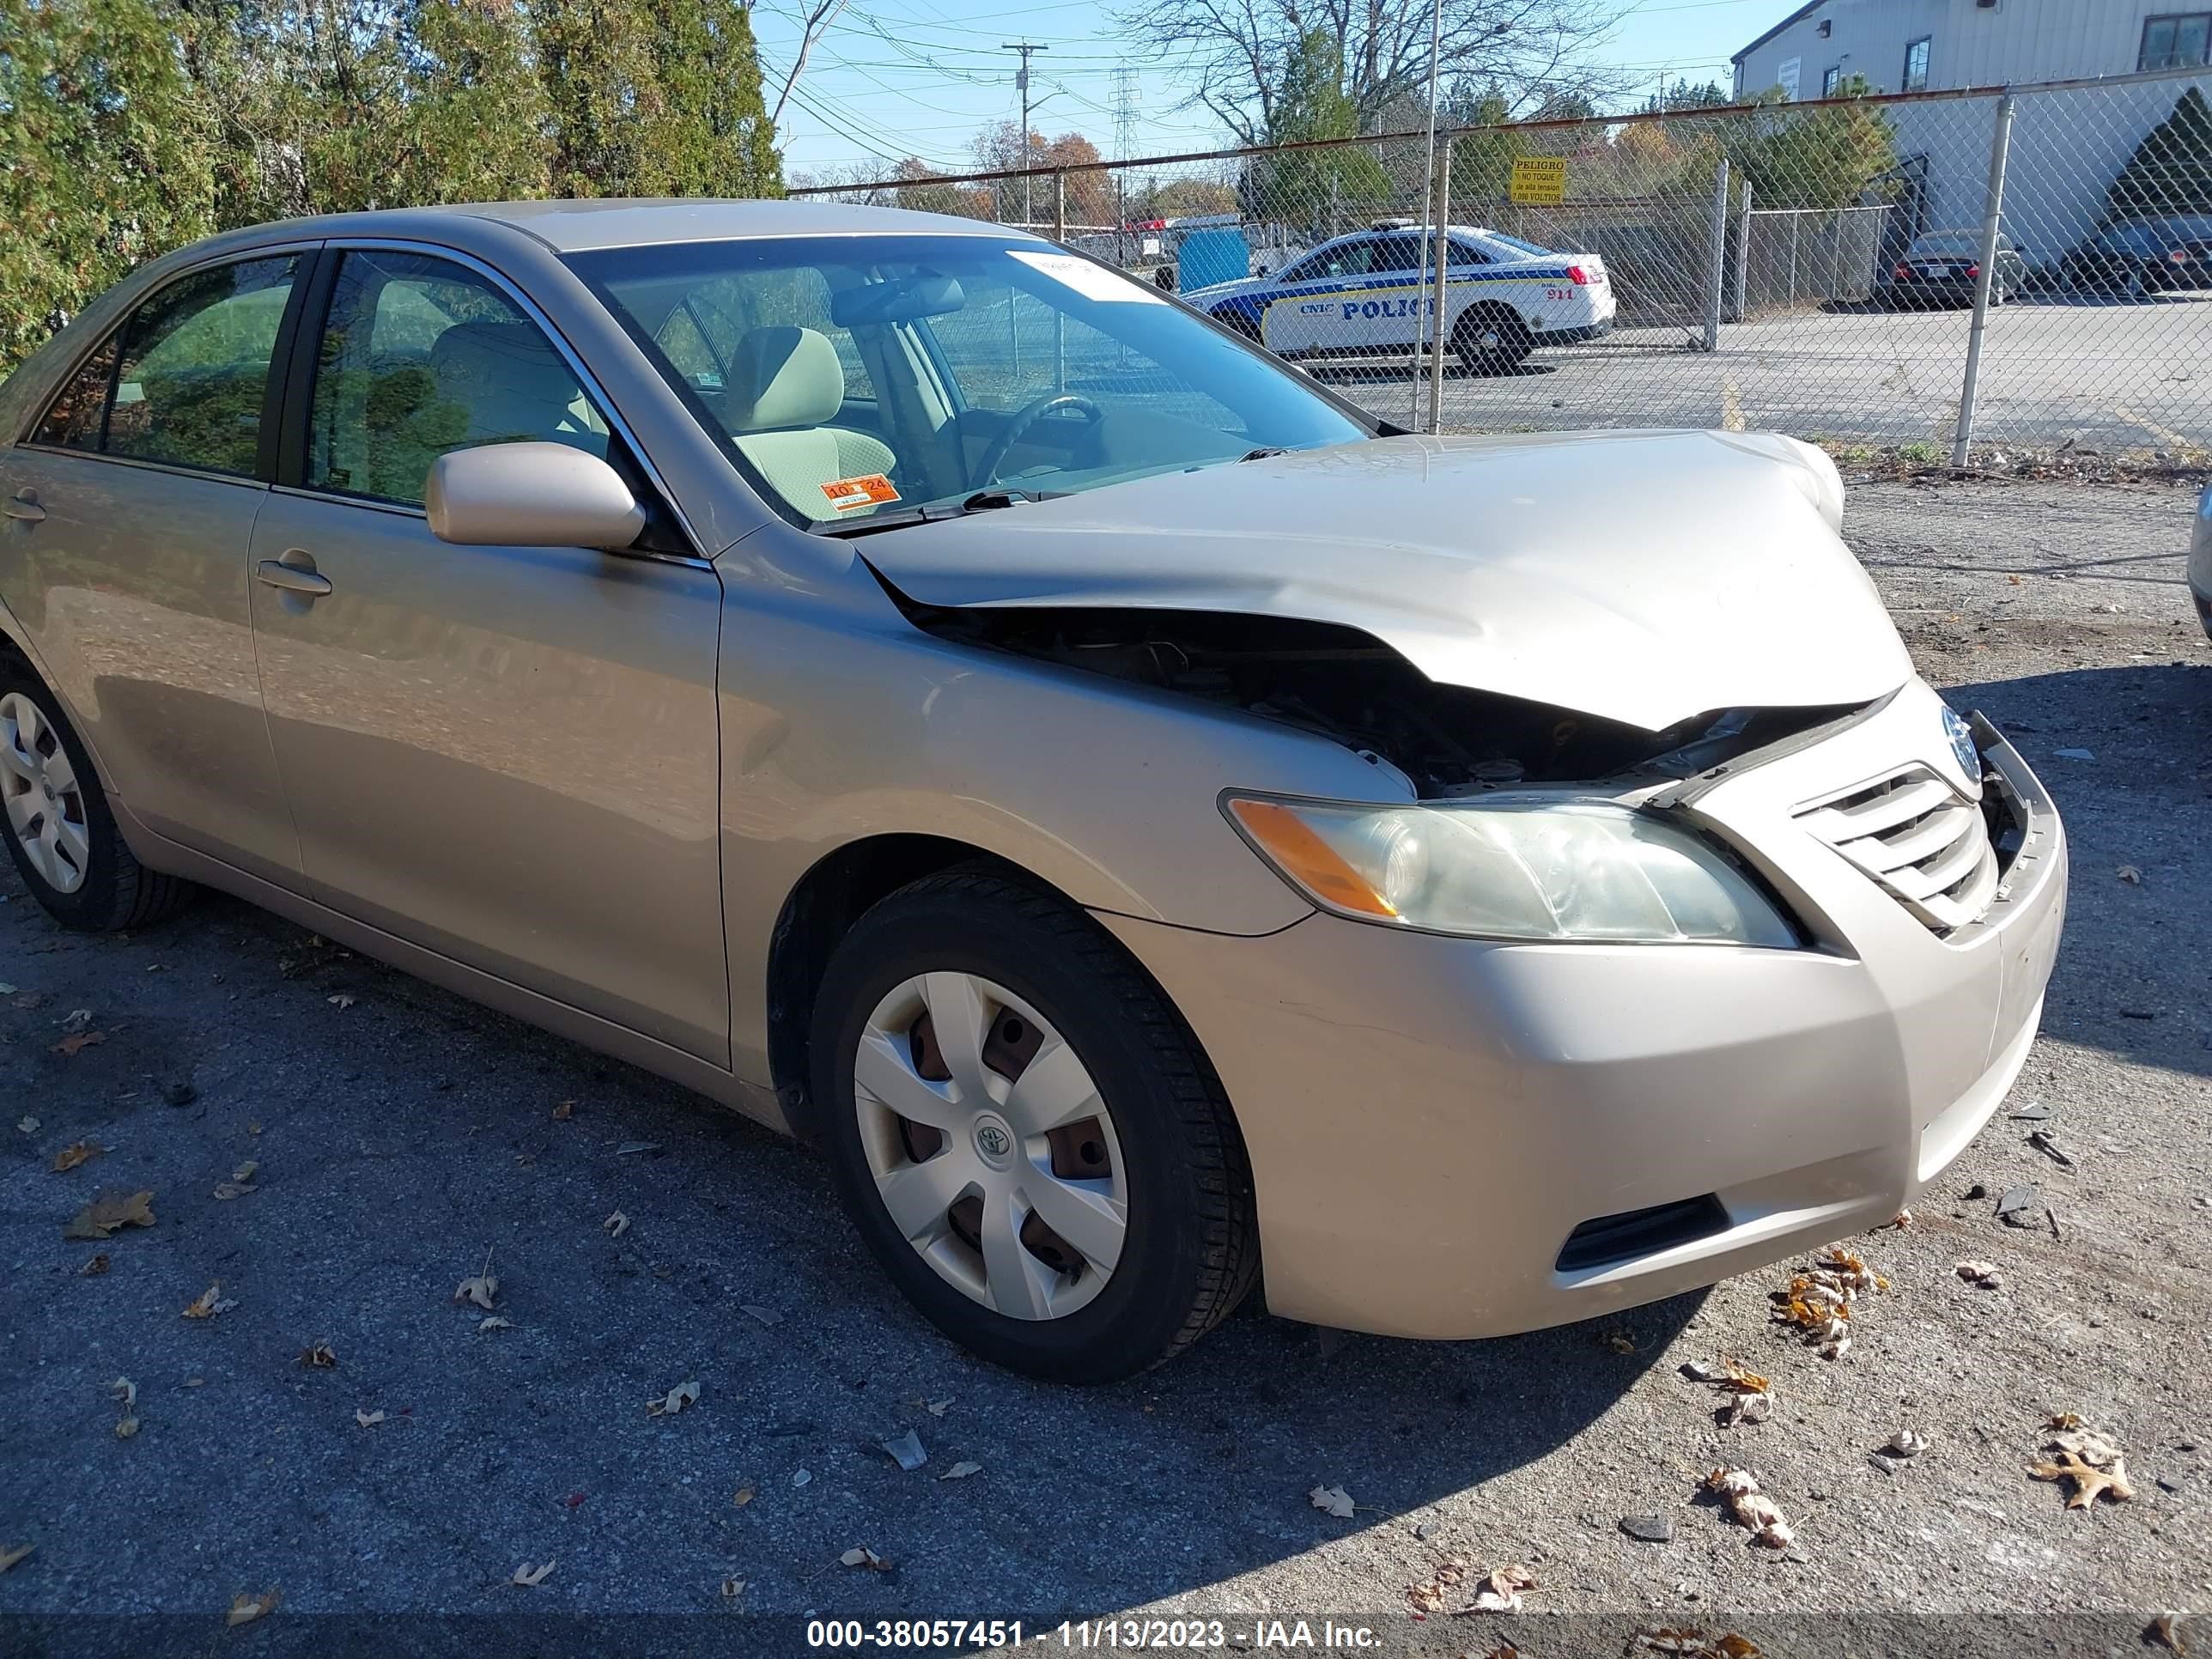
<point x="1919" y="837"/>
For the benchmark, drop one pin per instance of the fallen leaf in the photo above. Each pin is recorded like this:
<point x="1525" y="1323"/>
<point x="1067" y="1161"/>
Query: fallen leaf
<point x="368" y="1419"/>
<point x="319" y="1358"/>
<point x="1906" y="1444"/>
<point x="1620" y="1341"/>
<point x="26" y="1125"/>
<point x="245" y="1171"/>
<point x="616" y="1224"/>
<point x="6" y="989"/>
<point x="110" y="1210"/>
<point x="74" y="1021"/>
<point x="77" y="1042"/>
<point x="1499" y="1589"/>
<point x="733" y="1587"/>
<point x="864" y="1557"/>
<point x="668" y="1404"/>
<point x="9" y="1557"/>
<point x="961" y="1471"/>
<point x="2063" y="1420"/>
<point x="341" y="1000"/>
<point x="210" y="1302"/>
<point x="94" y="1268"/>
<point x="1692" y="1643"/>
<point x="906" y="1450"/>
<point x="234" y="1189"/>
<point x="1902" y="1221"/>
<point x="2165" y="1630"/>
<point x="529" y="1576"/>
<point x="127" y="1427"/>
<point x="936" y="1407"/>
<point x="1337" y="1501"/>
<point x="2130" y="874"/>
<point x="2089" y="1481"/>
<point x="125" y="1391"/>
<point x="76" y="1153"/>
<point x="244" y="1609"/>
<point x="564" y="1111"/>
<point x="1983" y="1275"/>
<point x="479" y="1290"/>
<point x="493" y="1322"/>
<point x="1751" y="1507"/>
<point x="739" y="1499"/>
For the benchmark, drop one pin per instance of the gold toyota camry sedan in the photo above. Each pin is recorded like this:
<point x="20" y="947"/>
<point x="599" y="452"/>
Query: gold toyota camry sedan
<point x="1149" y="825"/>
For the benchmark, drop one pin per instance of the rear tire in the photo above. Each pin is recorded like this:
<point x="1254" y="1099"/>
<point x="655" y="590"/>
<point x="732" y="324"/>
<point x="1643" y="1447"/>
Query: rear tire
<point x="60" y="834"/>
<point x="1493" y="342"/>
<point x="1154" y="1182"/>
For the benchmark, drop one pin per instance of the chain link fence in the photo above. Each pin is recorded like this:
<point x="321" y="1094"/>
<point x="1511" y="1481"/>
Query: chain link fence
<point x="1945" y="274"/>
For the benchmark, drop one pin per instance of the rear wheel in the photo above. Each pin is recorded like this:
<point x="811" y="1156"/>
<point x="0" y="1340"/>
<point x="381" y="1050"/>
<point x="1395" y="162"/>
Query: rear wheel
<point x="1026" y="1134"/>
<point x="60" y="834"/>
<point x="1491" y="341"/>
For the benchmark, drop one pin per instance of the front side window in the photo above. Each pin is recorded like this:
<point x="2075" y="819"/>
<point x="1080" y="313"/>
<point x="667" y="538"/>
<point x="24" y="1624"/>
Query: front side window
<point x="2176" y="41"/>
<point x="1916" y="65"/>
<point x="185" y="378"/>
<point x="934" y="367"/>
<point x="420" y="356"/>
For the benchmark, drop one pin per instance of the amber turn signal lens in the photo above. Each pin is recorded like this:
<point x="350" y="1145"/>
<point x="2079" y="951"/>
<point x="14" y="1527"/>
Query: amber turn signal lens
<point x="1308" y="859"/>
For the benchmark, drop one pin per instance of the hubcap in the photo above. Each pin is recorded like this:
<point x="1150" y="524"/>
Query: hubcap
<point x="991" y="1149"/>
<point x="46" y="807"/>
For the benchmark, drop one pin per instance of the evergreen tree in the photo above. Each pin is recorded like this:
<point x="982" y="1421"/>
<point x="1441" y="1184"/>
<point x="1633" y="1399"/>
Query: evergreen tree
<point x="1320" y="189"/>
<point x="108" y="155"/>
<point x="2171" y="171"/>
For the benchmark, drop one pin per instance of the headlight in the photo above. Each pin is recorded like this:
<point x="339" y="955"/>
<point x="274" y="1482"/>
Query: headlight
<point x="1512" y="865"/>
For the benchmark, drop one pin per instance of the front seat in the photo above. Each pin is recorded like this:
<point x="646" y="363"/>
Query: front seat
<point x="785" y="386"/>
<point x="511" y="384"/>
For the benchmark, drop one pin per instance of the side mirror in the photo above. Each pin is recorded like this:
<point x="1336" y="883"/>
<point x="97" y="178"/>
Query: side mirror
<point x="531" y="494"/>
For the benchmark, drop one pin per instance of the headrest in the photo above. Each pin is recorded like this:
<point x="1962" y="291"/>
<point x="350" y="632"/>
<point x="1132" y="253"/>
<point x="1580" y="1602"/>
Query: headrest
<point x="783" y="377"/>
<point x="509" y="359"/>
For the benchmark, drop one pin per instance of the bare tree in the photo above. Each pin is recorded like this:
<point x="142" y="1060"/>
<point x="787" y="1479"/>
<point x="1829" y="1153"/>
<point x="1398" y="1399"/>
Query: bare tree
<point x="1234" y="51"/>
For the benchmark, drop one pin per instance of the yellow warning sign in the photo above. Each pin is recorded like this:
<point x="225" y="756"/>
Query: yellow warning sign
<point x="1538" y="180"/>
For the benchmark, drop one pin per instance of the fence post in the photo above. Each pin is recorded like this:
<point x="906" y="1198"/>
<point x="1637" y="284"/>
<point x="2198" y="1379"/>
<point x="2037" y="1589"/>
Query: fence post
<point x="1059" y="207"/>
<point x="1717" y="243"/>
<point x="1438" y="317"/>
<point x="1992" y="218"/>
<point x="1742" y="256"/>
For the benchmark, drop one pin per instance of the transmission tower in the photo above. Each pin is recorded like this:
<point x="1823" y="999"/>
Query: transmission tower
<point x="1125" y="142"/>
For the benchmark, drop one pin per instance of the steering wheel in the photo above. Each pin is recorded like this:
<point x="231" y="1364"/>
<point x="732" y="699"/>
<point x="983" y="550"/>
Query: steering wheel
<point x="987" y="469"/>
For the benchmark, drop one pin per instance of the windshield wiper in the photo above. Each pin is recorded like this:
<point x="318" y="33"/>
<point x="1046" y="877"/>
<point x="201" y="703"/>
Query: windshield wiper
<point x="982" y="501"/>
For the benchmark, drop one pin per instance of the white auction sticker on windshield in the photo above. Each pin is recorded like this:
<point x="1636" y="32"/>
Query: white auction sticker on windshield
<point x="1092" y="282"/>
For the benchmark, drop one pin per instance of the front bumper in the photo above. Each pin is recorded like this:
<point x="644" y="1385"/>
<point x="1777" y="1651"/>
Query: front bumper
<point x="1429" y="1120"/>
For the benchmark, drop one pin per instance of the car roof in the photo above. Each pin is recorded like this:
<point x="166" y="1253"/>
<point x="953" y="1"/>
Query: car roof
<point x="583" y="226"/>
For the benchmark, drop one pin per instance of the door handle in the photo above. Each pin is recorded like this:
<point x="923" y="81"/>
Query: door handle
<point x="24" y="506"/>
<point x="291" y="578"/>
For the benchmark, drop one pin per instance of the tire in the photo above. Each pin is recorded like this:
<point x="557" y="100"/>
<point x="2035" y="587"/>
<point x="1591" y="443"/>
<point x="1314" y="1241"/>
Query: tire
<point x="1163" y="1144"/>
<point x="1491" y="341"/>
<point x="64" y="844"/>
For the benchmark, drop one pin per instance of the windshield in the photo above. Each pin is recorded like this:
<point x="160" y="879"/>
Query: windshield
<point x="856" y="379"/>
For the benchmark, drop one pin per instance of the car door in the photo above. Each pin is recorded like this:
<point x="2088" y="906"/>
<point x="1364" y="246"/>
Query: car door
<point x="506" y="755"/>
<point x="128" y="508"/>
<point x="1309" y="316"/>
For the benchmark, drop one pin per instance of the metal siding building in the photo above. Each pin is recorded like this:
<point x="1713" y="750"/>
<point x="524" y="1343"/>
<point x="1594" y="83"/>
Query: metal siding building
<point x="2066" y="147"/>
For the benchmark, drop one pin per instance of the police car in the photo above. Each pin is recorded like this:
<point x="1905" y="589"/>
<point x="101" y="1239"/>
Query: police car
<point x="1366" y="295"/>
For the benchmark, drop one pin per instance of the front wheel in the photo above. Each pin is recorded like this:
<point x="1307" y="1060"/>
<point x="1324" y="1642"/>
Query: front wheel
<point x="1026" y="1134"/>
<point x="1491" y="341"/>
<point x="61" y="835"/>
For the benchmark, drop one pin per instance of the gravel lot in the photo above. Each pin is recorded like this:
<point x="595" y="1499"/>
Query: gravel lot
<point x="403" y="1134"/>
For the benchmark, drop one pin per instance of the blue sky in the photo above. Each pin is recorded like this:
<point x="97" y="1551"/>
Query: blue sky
<point x="899" y="77"/>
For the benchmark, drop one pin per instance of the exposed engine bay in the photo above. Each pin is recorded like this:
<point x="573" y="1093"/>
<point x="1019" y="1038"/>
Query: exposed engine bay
<point x="1348" y="686"/>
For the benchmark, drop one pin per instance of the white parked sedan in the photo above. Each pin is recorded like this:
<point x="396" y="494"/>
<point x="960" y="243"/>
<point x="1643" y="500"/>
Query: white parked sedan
<point x="1373" y="293"/>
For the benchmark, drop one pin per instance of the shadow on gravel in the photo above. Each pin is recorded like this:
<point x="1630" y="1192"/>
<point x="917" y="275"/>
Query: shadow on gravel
<point x="401" y="1135"/>
<point x="2131" y="978"/>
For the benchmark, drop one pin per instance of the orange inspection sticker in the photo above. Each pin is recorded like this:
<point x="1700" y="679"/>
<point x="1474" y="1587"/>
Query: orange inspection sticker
<point x="871" y="489"/>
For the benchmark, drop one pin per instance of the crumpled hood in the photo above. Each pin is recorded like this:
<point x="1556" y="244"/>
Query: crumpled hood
<point x="1639" y="576"/>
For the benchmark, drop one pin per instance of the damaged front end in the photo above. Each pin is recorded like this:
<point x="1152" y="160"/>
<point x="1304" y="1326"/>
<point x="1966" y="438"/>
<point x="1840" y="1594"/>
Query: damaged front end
<point x="1443" y="742"/>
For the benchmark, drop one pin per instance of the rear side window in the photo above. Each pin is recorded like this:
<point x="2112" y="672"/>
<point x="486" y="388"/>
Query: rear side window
<point x="185" y="378"/>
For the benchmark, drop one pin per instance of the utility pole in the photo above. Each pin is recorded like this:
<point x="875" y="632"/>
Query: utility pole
<point x="1022" y="84"/>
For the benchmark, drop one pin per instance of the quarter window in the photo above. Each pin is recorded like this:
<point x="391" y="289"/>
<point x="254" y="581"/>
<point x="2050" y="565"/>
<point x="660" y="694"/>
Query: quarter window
<point x="185" y="378"/>
<point x="421" y="357"/>
<point x="1916" y="65"/>
<point x="2177" y="41"/>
